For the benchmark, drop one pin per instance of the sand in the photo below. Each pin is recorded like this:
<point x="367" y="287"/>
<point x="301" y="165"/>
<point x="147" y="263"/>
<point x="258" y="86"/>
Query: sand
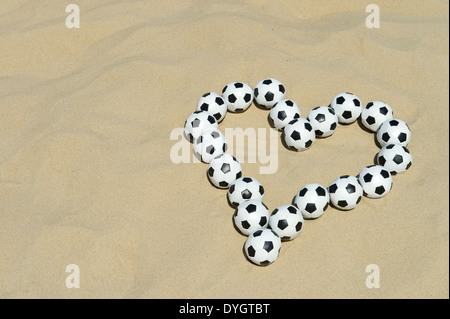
<point x="86" y="175"/>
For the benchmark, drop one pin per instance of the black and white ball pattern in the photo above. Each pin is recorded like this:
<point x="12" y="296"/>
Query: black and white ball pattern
<point x="283" y="112"/>
<point x="224" y="170"/>
<point x="345" y="192"/>
<point x="375" y="180"/>
<point x="394" y="132"/>
<point x="347" y="107"/>
<point x="238" y="96"/>
<point x="245" y="188"/>
<point x="324" y="120"/>
<point x="262" y="247"/>
<point x="214" y="104"/>
<point x="197" y="122"/>
<point x="374" y="114"/>
<point x="312" y="200"/>
<point x="286" y="221"/>
<point x="209" y="145"/>
<point x="268" y="92"/>
<point x="299" y="134"/>
<point x="251" y="215"/>
<point x="395" y="158"/>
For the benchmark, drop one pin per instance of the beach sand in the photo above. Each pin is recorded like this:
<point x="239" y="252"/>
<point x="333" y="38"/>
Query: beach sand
<point x="87" y="176"/>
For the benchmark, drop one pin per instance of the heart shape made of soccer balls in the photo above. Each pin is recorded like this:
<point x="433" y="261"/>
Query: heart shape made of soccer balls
<point x="266" y="230"/>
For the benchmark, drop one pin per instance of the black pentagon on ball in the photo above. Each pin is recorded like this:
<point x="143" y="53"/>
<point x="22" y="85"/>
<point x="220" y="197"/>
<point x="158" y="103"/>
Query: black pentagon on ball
<point x="310" y="208"/>
<point x="409" y="165"/>
<point x="385" y="137"/>
<point x="275" y="211"/>
<point x="292" y="210"/>
<point x="282" y="224"/>
<point x="210" y="149"/>
<point x="217" y="116"/>
<point x="257" y="233"/>
<point x="385" y="173"/>
<point x="238" y="174"/>
<point x="332" y="188"/>
<point x="251" y="251"/>
<point x="223" y="184"/>
<point x="369" y="105"/>
<point x="398" y="159"/>
<point x="211" y="171"/>
<point x="195" y="123"/>
<point x="295" y="135"/>
<point x="268" y="246"/>
<point x="381" y="160"/>
<point x="308" y="143"/>
<point x="269" y="96"/>
<point x="204" y="107"/>
<point x="340" y="100"/>
<point x="302" y="192"/>
<point x="281" y="115"/>
<point x="350" y="188"/>
<point x="308" y="127"/>
<point x="299" y="226"/>
<point x="333" y="126"/>
<point x="261" y="190"/>
<point x="225" y="168"/>
<point x="281" y="88"/>
<point x="224" y="89"/>
<point x="347" y="115"/>
<point x="289" y="103"/>
<point x="321" y="191"/>
<point x="232" y="98"/>
<point x="262" y="221"/>
<point x="219" y="100"/>
<point x="393" y="122"/>
<point x="342" y="203"/>
<point x="368" y="177"/>
<point x="245" y="224"/>
<point x="211" y="119"/>
<point x="246" y="194"/>
<point x="384" y="110"/>
<point x="402" y="137"/>
<point x="320" y="117"/>
<point x="370" y="120"/>
<point x="247" y="180"/>
<point x="247" y="97"/>
<point x="215" y="134"/>
<point x="256" y="92"/>
<point x="267" y="81"/>
<point x="380" y="190"/>
<point x="357" y="102"/>
<point x="251" y="208"/>
<point x="238" y="85"/>
<point x="231" y="189"/>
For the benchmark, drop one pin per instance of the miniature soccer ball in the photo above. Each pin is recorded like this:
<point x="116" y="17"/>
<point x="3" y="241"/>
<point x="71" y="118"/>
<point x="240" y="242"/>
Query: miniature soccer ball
<point x="268" y="92"/>
<point x="224" y="170"/>
<point x="324" y="120"/>
<point x="251" y="215"/>
<point x="238" y="96"/>
<point x="245" y="188"/>
<point x="197" y="122"/>
<point x="347" y="107"/>
<point x="395" y="158"/>
<point x="283" y="112"/>
<point x="374" y="114"/>
<point x="299" y="134"/>
<point x="393" y="132"/>
<point x="345" y="192"/>
<point x="209" y="145"/>
<point x="312" y="200"/>
<point x="286" y="221"/>
<point x="375" y="180"/>
<point x="262" y="247"/>
<point x="213" y="103"/>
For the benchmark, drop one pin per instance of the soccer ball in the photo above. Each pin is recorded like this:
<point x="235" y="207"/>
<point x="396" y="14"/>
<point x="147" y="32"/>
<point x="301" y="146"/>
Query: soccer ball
<point x="213" y="103"/>
<point x="209" y="145"/>
<point x="345" y="192"/>
<point x="283" y="112"/>
<point x="312" y="200"/>
<point x="238" y="96"/>
<point x="262" y="247"/>
<point x="324" y="120"/>
<point x="268" y="92"/>
<point x="224" y="170"/>
<point x="299" y="134"/>
<point x="395" y="158"/>
<point x="375" y="180"/>
<point x="347" y="107"/>
<point x="251" y="215"/>
<point x="286" y="221"/>
<point x="393" y="132"/>
<point x="374" y="114"/>
<point x="245" y="188"/>
<point x="197" y="122"/>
